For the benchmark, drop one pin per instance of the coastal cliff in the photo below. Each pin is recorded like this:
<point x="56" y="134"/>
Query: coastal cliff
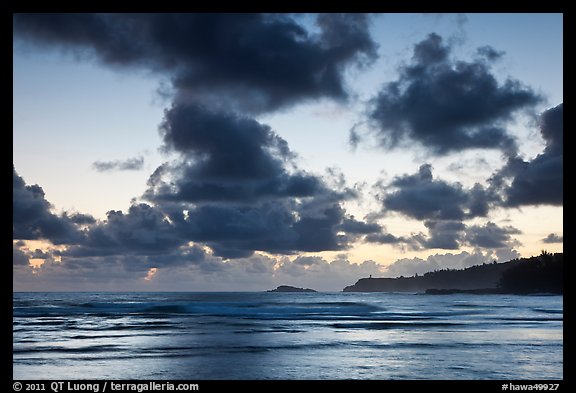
<point x="526" y="275"/>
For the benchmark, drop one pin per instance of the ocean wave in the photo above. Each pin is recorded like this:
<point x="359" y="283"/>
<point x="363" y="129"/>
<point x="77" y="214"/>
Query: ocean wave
<point x="268" y="310"/>
<point x="395" y="325"/>
<point x="62" y="349"/>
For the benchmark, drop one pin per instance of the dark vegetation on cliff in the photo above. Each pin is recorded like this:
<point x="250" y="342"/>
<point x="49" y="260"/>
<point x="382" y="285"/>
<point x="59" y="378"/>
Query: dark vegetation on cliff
<point x="540" y="274"/>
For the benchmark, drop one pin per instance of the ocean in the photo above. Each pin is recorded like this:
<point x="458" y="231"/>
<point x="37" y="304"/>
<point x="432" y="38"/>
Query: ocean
<point x="249" y="335"/>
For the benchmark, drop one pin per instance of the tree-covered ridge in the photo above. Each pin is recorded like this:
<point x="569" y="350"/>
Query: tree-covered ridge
<point x="543" y="273"/>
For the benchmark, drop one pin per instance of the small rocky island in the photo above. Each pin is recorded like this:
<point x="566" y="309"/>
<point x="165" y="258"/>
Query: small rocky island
<point x="288" y="288"/>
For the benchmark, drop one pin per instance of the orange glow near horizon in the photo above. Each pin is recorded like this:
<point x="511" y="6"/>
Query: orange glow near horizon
<point x="36" y="262"/>
<point x="151" y="273"/>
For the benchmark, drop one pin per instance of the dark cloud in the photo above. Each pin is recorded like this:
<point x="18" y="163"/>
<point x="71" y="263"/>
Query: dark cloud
<point x="307" y="261"/>
<point x="19" y="258"/>
<point x="39" y="254"/>
<point x="226" y="158"/>
<point x="444" y="234"/>
<point x="351" y="225"/>
<point x="32" y="218"/>
<point x="81" y="219"/>
<point x="414" y="242"/>
<point x="185" y="256"/>
<point x="430" y="51"/>
<point x="237" y="189"/>
<point x="553" y="238"/>
<point x="447" y="105"/>
<point x="130" y="164"/>
<point x="431" y="199"/>
<point x="491" y="236"/>
<point x="257" y="62"/>
<point x="489" y="53"/>
<point x="552" y="129"/>
<point x="422" y="197"/>
<point x="234" y="231"/>
<point x="319" y="232"/>
<point x="230" y="230"/>
<point x="451" y="235"/>
<point x="354" y="137"/>
<point x="479" y="200"/>
<point x="125" y="264"/>
<point x="541" y="180"/>
<point x="383" y="238"/>
<point x="144" y="230"/>
<point x="443" y="207"/>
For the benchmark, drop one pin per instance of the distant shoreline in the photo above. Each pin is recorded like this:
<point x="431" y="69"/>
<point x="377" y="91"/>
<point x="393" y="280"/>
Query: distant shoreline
<point x="539" y="274"/>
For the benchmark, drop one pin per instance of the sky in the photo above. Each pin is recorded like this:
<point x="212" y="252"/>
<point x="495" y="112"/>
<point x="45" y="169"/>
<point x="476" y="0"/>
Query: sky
<point x="239" y="152"/>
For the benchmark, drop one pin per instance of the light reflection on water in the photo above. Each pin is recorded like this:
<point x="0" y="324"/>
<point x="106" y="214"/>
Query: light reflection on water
<point x="286" y="336"/>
